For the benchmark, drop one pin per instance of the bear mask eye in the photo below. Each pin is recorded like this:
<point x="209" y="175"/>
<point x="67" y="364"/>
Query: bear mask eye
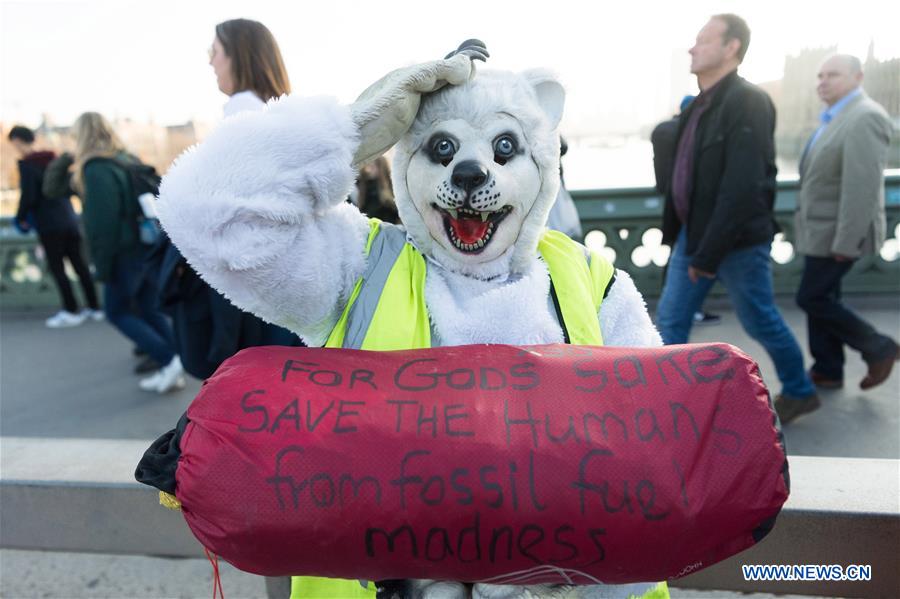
<point x="442" y="150"/>
<point x="504" y="149"/>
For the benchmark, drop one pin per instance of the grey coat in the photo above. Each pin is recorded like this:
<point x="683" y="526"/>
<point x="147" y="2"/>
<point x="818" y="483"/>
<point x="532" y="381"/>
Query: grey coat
<point x="840" y="208"/>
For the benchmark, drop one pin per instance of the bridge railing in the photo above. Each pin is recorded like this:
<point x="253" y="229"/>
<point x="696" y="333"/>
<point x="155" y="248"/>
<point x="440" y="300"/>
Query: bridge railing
<point x="622" y="223"/>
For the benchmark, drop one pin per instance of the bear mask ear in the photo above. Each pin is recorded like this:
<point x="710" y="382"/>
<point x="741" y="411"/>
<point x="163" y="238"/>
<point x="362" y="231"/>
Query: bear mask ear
<point x="550" y="94"/>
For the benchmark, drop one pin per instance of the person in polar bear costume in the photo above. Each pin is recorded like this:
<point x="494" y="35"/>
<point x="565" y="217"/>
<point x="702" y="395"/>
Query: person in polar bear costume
<point x="259" y="210"/>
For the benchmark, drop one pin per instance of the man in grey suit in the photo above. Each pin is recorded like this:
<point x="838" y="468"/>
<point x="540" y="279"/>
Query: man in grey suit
<point x="839" y="218"/>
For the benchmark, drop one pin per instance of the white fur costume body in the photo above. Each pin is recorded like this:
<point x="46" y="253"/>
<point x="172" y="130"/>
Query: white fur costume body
<point x="258" y="210"/>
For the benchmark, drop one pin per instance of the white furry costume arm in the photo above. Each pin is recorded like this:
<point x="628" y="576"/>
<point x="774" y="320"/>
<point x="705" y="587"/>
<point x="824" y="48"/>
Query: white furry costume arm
<point x="624" y="319"/>
<point x="258" y="210"/>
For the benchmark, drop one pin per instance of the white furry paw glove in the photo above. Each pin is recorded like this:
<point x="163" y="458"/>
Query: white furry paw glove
<point x="386" y="110"/>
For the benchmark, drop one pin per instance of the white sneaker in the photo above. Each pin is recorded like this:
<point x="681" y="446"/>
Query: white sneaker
<point x="95" y="315"/>
<point x="151" y="382"/>
<point x="168" y="378"/>
<point x="64" y="319"/>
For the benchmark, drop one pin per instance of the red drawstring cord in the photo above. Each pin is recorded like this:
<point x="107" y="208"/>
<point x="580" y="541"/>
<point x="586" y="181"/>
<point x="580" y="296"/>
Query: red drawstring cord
<point x="217" y="581"/>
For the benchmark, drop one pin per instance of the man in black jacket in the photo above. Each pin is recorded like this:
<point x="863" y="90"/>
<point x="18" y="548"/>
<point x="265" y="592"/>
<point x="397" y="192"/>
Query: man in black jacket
<point x="663" y="139"/>
<point x="718" y="216"/>
<point x="57" y="229"/>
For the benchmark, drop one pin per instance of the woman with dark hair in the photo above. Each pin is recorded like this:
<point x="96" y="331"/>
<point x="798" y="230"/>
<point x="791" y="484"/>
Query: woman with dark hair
<point x="374" y="193"/>
<point x="208" y="328"/>
<point x="248" y="65"/>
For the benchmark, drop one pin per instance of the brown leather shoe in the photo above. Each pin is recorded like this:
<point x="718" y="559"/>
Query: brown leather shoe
<point x="880" y="370"/>
<point x="823" y="382"/>
<point x="788" y="407"/>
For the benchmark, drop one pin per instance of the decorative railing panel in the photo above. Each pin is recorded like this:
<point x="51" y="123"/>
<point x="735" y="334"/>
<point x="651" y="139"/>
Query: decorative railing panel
<point x="624" y="225"/>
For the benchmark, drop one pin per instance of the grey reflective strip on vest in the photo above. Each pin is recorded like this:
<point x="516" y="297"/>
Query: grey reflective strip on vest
<point x="385" y="250"/>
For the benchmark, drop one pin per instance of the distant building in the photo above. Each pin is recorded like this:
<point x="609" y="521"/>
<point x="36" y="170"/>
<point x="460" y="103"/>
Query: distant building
<point x="798" y="106"/>
<point x="882" y="82"/>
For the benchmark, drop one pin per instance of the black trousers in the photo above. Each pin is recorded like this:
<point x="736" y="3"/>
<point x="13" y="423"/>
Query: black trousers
<point x="832" y="325"/>
<point x="67" y="244"/>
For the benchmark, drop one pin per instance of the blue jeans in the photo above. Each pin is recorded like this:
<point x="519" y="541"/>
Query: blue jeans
<point x="746" y="274"/>
<point x="132" y="306"/>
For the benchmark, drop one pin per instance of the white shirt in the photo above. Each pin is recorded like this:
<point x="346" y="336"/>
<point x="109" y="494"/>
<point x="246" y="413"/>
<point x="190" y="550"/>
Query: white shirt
<point x="241" y="101"/>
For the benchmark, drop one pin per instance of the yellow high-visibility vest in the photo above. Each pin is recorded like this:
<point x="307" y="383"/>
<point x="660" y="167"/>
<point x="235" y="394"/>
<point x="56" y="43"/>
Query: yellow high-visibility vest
<point x="386" y="311"/>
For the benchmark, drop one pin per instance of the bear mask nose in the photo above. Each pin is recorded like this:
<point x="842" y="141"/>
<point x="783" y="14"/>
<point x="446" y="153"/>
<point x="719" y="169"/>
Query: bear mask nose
<point x="469" y="175"/>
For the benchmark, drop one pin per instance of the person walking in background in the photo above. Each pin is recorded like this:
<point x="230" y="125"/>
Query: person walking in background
<point x="248" y="65"/>
<point x="58" y="182"/>
<point x="718" y="215"/>
<point x="57" y="228"/>
<point x="662" y="138"/>
<point x="839" y="218"/>
<point x="110" y="216"/>
<point x="208" y="328"/>
<point x="563" y="214"/>
<point x="374" y="194"/>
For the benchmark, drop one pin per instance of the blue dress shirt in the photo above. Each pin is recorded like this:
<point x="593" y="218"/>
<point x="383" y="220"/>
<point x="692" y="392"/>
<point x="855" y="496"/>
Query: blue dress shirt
<point x="829" y="113"/>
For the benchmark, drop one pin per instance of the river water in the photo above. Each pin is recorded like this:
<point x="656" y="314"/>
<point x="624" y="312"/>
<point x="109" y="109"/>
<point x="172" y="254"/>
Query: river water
<point x="601" y="163"/>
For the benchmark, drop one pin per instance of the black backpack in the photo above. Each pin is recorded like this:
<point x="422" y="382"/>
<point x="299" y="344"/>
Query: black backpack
<point x="144" y="191"/>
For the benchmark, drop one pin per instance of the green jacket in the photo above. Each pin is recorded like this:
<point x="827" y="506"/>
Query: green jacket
<point x="109" y="215"/>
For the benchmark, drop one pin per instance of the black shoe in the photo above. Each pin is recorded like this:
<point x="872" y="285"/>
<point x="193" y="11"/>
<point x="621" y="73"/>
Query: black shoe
<point x="788" y="408"/>
<point x="137" y="352"/>
<point x="705" y="318"/>
<point x="148" y="364"/>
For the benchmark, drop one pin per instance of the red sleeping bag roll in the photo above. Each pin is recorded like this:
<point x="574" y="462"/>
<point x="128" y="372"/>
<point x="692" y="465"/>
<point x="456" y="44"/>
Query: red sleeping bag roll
<point x="486" y="463"/>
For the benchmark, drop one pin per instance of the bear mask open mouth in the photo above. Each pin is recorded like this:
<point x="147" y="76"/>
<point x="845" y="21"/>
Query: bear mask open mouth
<point x="470" y="231"/>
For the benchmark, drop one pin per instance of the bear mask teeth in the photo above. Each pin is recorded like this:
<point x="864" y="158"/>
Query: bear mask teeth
<point x="469" y="230"/>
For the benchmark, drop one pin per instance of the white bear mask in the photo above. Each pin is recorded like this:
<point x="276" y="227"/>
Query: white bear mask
<point x="478" y="171"/>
